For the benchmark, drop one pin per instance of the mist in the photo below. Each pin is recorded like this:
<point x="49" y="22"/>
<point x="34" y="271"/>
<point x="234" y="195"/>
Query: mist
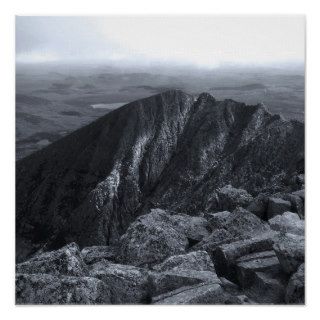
<point x="150" y="41"/>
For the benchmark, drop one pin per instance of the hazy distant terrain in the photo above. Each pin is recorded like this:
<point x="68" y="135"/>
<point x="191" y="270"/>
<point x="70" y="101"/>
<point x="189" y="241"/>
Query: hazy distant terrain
<point x="52" y="101"/>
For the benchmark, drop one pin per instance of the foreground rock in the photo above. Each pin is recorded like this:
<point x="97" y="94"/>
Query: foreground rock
<point x="300" y="194"/>
<point x="290" y="252"/>
<point x="127" y="284"/>
<point x="297" y="203"/>
<point x="261" y="276"/>
<point x="259" y="206"/>
<point x="171" y="280"/>
<point x="198" y="261"/>
<point x="198" y="294"/>
<point x="267" y="288"/>
<point x="96" y="253"/>
<point x="194" y="228"/>
<point x="49" y="289"/>
<point x="244" y="224"/>
<point x="246" y="266"/>
<point x="277" y="206"/>
<point x="65" y="261"/>
<point x="226" y="255"/>
<point x="288" y="222"/>
<point x="158" y="235"/>
<point x="231" y="227"/>
<point x="229" y="198"/>
<point x="183" y="270"/>
<point x="295" y="289"/>
<point x="218" y="219"/>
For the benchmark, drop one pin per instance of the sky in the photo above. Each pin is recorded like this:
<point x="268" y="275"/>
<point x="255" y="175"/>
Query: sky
<point x="202" y="41"/>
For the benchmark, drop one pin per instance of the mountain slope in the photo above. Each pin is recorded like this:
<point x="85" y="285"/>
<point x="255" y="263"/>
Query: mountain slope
<point x="167" y="151"/>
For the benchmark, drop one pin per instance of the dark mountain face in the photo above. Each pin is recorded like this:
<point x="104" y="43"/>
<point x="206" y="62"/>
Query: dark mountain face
<point x="165" y="151"/>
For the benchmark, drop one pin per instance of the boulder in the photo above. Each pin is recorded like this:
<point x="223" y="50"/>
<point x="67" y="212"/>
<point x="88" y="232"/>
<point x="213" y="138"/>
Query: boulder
<point x="194" y="228"/>
<point x="49" y="289"/>
<point x="277" y="206"/>
<point x="287" y="222"/>
<point x="261" y="277"/>
<point x="127" y="284"/>
<point x="299" y="193"/>
<point x="246" y="266"/>
<point x="241" y="224"/>
<point x="65" y="261"/>
<point x="229" y="286"/>
<point x="226" y="255"/>
<point x="301" y="178"/>
<point x="295" y="288"/>
<point x="218" y="220"/>
<point x="152" y="238"/>
<point x="289" y="249"/>
<point x="267" y="288"/>
<point x="198" y="294"/>
<point x="259" y="206"/>
<point x="245" y="224"/>
<point x="97" y="253"/>
<point x="198" y="261"/>
<point x="296" y="180"/>
<point x="235" y="291"/>
<point x="230" y="198"/>
<point x="171" y="280"/>
<point x="216" y="238"/>
<point x="297" y="204"/>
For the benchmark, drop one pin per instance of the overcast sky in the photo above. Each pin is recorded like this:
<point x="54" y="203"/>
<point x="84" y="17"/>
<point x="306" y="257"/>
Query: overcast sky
<point x="205" y="41"/>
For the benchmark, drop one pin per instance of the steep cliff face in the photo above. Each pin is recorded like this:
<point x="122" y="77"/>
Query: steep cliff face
<point x="164" y="151"/>
<point x="229" y="143"/>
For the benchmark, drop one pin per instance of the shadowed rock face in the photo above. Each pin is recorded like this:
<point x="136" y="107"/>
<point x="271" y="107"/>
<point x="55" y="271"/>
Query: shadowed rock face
<point x="165" y="151"/>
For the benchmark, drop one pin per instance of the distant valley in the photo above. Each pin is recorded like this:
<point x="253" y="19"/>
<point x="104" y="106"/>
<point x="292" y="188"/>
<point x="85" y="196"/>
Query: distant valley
<point x="54" y="101"/>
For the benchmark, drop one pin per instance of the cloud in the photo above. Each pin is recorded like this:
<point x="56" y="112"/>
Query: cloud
<point x="197" y="40"/>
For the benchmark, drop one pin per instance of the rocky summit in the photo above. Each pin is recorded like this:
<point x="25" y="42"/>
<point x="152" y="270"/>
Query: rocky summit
<point x="172" y="199"/>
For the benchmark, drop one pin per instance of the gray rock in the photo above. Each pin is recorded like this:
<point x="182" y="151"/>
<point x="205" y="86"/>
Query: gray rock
<point x="65" y="261"/>
<point x="295" y="288"/>
<point x="152" y="238"/>
<point x="226" y="255"/>
<point x="261" y="277"/>
<point x="246" y="266"/>
<point x="96" y="253"/>
<point x="241" y="224"/>
<point x="277" y="206"/>
<point x="198" y="294"/>
<point x="198" y="261"/>
<point x="49" y="289"/>
<point x="290" y="251"/>
<point x="230" y="198"/>
<point x="218" y="219"/>
<point x="127" y="284"/>
<point x="229" y="286"/>
<point x="299" y="193"/>
<point x="171" y="280"/>
<point x="297" y="204"/>
<point x="287" y="222"/>
<point x="245" y="224"/>
<point x="301" y="178"/>
<point x="267" y="288"/>
<point x="194" y="228"/>
<point x="259" y="206"/>
<point x="217" y="237"/>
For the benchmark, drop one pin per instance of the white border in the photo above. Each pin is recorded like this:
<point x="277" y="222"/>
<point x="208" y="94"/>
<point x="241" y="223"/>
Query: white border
<point x="11" y="8"/>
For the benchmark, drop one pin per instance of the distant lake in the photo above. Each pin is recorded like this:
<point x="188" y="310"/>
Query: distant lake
<point x="110" y="106"/>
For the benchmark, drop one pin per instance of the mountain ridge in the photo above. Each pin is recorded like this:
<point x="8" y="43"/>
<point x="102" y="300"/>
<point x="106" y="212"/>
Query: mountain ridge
<point x="168" y="150"/>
